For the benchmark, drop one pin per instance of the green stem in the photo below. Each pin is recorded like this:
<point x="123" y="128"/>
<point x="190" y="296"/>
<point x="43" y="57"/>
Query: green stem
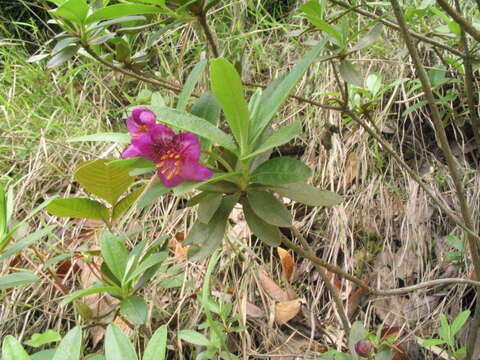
<point x="220" y="160"/>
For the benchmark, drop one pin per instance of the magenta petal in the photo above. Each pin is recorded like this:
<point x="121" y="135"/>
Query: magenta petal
<point x="131" y="151"/>
<point x="138" y="111"/>
<point x="162" y="135"/>
<point x="147" y="117"/>
<point x="189" y="145"/>
<point x="132" y="126"/>
<point x="173" y="181"/>
<point x="193" y="171"/>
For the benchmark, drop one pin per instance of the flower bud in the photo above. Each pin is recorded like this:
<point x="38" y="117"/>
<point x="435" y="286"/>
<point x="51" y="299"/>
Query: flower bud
<point x="364" y="348"/>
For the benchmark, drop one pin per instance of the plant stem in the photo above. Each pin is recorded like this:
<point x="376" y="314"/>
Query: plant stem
<point x="451" y="162"/>
<point x="202" y="19"/>
<point x="469" y="82"/>
<point x="328" y="283"/>
<point x="152" y="80"/>
<point x="392" y="25"/>
<point x="467" y="26"/>
<point x="220" y="160"/>
<point x="361" y="284"/>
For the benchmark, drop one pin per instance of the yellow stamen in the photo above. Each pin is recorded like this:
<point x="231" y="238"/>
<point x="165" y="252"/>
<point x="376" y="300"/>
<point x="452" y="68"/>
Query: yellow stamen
<point x="178" y="171"/>
<point x="170" y="175"/>
<point x="164" y="157"/>
<point x="177" y="156"/>
<point x="160" y="164"/>
<point x="165" y="170"/>
<point x="178" y="163"/>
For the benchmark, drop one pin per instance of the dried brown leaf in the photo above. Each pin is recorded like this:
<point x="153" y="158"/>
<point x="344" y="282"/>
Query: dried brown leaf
<point x="351" y="169"/>
<point x="288" y="265"/>
<point x="287" y="310"/>
<point x="271" y="288"/>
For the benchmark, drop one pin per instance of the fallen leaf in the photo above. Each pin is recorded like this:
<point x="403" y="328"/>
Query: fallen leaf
<point x="271" y="288"/>
<point x="180" y="251"/>
<point x="287" y="310"/>
<point x="286" y="259"/>
<point x="351" y="169"/>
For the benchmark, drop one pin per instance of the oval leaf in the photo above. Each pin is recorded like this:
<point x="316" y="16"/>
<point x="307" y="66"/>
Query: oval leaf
<point x="17" y="279"/>
<point x="308" y="194"/>
<point x="13" y="350"/>
<point x="117" y="345"/>
<point x="157" y="346"/>
<point x="193" y="337"/>
<point x="135" y="309"/>
<point x="281" y="170"/>
<point x="269" y="208"/>
<point x="267" y="233"/>
<point x="78" y="208"/>
<point x="70" y="347"/>
<point x="105" y="181"/>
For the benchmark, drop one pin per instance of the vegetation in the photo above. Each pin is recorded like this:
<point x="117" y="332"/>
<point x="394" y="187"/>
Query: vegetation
<point x="295" y="179"/>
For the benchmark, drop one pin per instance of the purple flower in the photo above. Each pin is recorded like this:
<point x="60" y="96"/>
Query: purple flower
<point x="364" y="348"/>
<point x="176" y="155"/>
<point x="140" y="122"/>
<point x="139" y="125"/>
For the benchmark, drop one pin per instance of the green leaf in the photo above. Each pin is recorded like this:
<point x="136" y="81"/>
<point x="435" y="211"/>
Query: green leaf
<point x="135" y="309"/>
<point x="207" y="237"/>
<point x="121" y="10"/>
<point x="207" y="107"/>
<point x="349" y="74"/>
<point x="190" y="83"/>
<point x="44" y="355"/>
<point x="114" y="253"/>
<point x="455" y="242"/>
<point x="17" y="279"/>
<point x="308" y="194"/>
<point x="267" y="233"/>
<point x="459" y="321"/>
<point x="151" y="195"/>
<point x="121" y="138"/>
<point x="78" y="208"/>
<point x="217" y="178"/>
<point x="26" y="242"/>
<point x="149" y="262"/>
<point x="62" y="56"/>
<point x="3" y="213"/>
<point x="228" y="89"/>
<point x="269" y="208"/>
<point x="444" y="330"/>
<point x="117" y="345"/>
<point x="208" y="207"/>
<point x="157" y="346"/>
<point x="93" y="290"/>
<point x="125" y="204"/>
<point x="272" y="100"/>
<point x="73" y="10"/>
<point x="193" y="337"/>
<point x="313" y="12"/>
<point x="280" y="170"/>
<point x="71" y="346"/>
<point x="46" y="337"/>
<point x="132" y="163"/>
<point x="432" y="342"/>
<point x="357" y="333"/>
<point x="279" y="137"/>
<point x="13" y="350"/>
<point x="199" y="126"/>
<point x="372" y="36"/>
<point x="106" y="182"/>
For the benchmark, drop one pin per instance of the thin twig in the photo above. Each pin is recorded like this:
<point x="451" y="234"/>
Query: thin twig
<point x="467" y="26"/>
<point x="392" y="25"/>
<point x="136" y="75"/>
<point x="328" y="283"/>
<point x="202" y="19"/>
<point x="451" y="162"/>
<point x="469" y="82"/>
<point x="361" y="284"/>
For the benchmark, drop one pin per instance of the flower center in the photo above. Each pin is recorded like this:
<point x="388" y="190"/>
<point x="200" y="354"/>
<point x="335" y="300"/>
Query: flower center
<point x="171" y="163"/>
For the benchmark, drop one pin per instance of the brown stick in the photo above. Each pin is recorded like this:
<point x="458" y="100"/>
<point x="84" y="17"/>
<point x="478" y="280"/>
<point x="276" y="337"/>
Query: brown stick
<point x="467" y="26"/>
